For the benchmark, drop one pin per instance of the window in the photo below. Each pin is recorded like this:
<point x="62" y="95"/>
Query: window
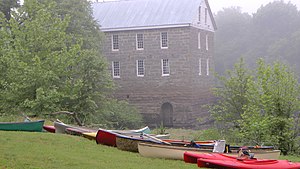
<point x="199" y="40"/>
<point x="115" y="42"/>
<point x="140" y="69"/>
<point x="139" y="41"/>
<point x="200" y="66"/>
<point x="165" y="67"/>
<point x="199" y="14"/>
<point x="164" y="40"/>
<point x="207" y="67"/>
<point x="206" y="42"/>
<point x="116" y="69"/>
<point x="206" y="15"/>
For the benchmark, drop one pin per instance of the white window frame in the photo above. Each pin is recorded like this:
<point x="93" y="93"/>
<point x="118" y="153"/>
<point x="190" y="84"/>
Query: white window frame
<point x="164" y="40"/>
<point x="207" y="67"/>
<point x="199" y="40"/>
<point x="114" y="68"/>
<point x="139" y="41"/>
<point x="140" y="68"/>
<point x="113" y="42"/>
<point x="199" y="14"/>
<point x="206" y="42"/>
<point x="165" y="67"/>
<point x="200" y="66"/>
<point x="206" y="14"/>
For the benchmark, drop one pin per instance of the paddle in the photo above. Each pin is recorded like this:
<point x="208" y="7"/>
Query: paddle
<point x="157" y="139"/>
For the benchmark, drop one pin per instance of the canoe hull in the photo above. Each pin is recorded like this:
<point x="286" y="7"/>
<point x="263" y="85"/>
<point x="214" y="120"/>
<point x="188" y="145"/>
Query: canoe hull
<point x="108" y="137"/>
<point x="50" y="129"/>
<point x="177" y="152"/>
<point x="224" y="161"/>
<point x="33" y="126"/>
<point x="90" y="136"/>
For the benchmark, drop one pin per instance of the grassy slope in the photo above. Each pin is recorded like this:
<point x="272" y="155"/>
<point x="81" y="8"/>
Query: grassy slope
<point x="46" y="150"/>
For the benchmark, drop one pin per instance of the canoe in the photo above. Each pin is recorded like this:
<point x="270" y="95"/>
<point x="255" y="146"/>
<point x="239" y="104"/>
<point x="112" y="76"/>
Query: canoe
<point x="50" y="129"/>
<point x="130" y="142"/>
<point x="35" y="126"/>
<point x="108" y="137"/>
<point x="224" y="161"/>
<point x="63" y="128"/>
<point x="91" y="136"/>
<point x="177" y="152"/>
<point x="78" y="131"/>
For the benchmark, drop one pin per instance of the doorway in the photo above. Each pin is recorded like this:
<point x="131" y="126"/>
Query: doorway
<point x="166" y="115"/>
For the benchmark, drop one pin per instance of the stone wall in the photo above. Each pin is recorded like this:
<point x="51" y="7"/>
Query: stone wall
<point x="184" y="89"/>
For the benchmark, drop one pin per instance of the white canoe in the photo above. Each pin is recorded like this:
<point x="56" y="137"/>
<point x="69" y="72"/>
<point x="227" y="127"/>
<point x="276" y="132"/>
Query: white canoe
<point x="176" y="152"/>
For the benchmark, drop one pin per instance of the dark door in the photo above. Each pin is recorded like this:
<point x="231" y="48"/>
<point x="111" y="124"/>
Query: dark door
<point x="166" y="115"/>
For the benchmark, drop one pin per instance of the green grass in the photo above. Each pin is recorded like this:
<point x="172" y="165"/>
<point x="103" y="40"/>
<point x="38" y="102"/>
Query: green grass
<point x="47" y="150"/>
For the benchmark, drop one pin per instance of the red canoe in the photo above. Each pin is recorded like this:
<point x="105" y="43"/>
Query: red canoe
<point x="50" y="129"/>
<point x="223" y="161"/>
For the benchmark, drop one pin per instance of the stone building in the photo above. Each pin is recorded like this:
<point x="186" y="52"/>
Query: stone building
<point x="161" y="56"/>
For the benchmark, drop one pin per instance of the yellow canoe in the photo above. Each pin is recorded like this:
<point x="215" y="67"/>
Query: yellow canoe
<point x="91" y="136"/>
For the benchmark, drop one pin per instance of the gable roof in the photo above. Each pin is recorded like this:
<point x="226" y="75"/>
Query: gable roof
<point x="141" y="14"/>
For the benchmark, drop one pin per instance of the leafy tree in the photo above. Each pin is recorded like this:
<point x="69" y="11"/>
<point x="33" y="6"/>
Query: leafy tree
<point x="267" y="105"/>
<point x="231" y="96"/>
<point x="7" y="5"/>
<point x="270" y="33"/>
<point x="231" y="37"/>
<point x="46" y="70"/>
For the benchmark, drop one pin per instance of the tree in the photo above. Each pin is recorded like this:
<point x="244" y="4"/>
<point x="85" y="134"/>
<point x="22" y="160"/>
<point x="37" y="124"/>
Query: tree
<point x="231" y="37"/>
<point x="231" y="96"/>
<point x="267" y="105"/>
<point x="47" y="69"/>
<point x="7" y="5"/>
<point x="274" y="98"/>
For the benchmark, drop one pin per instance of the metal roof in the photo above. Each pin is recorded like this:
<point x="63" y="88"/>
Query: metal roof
<point x="126" y="14"/>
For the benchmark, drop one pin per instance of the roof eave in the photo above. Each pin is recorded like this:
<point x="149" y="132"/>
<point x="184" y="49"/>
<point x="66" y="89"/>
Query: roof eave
<point x="145" y="27"/>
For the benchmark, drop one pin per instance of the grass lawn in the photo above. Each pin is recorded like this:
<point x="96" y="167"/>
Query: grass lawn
<point x="47" y="150"/>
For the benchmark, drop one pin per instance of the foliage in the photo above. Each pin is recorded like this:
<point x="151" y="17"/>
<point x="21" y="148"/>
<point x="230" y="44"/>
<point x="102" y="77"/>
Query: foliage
<point x="268" y="106"/>
<point x="6" y="7"/>
<point x="272" y="32"/>
<point x="45" y="69"/>
<point x="120" y="115"/>
<point x="232" y="96"/>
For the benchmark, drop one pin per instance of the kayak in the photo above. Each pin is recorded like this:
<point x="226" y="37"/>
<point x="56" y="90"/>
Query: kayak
<point x="218" y="160"/>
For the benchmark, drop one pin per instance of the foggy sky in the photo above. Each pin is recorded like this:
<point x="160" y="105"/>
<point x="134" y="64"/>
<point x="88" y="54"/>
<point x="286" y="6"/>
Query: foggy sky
<point x="249" y="6"/>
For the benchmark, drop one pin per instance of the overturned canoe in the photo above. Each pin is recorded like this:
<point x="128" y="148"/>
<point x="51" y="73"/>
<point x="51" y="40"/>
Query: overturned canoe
<point x="130" y="142"/>
<point x="63" y="128"/>
<point x="108" y="137"/>
<point x="91" y="136"/>
<point x="50" y="129"/>
<point x="36" y="126"/>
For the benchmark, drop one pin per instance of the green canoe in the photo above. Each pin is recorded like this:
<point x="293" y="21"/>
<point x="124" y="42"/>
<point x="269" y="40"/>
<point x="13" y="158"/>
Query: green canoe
<point x="22" y="126"/>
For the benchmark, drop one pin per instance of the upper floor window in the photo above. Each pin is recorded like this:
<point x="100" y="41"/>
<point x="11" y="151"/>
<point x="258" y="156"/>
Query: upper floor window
<point x="115" y="42"/>
<point x="199" y="40"/>
<point x="200" y="66"/>
<point x="199" y="13"/>
<point x="164" y="40"/>
<point x="139" y="41"/>
<point x="165" y="67"/>
<point x="116" y="69"/>
<point x="140" y="68"/>
<point x="206" y="42"/>
<point x="206" y="11"/>
<point x="207" y="67"/>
